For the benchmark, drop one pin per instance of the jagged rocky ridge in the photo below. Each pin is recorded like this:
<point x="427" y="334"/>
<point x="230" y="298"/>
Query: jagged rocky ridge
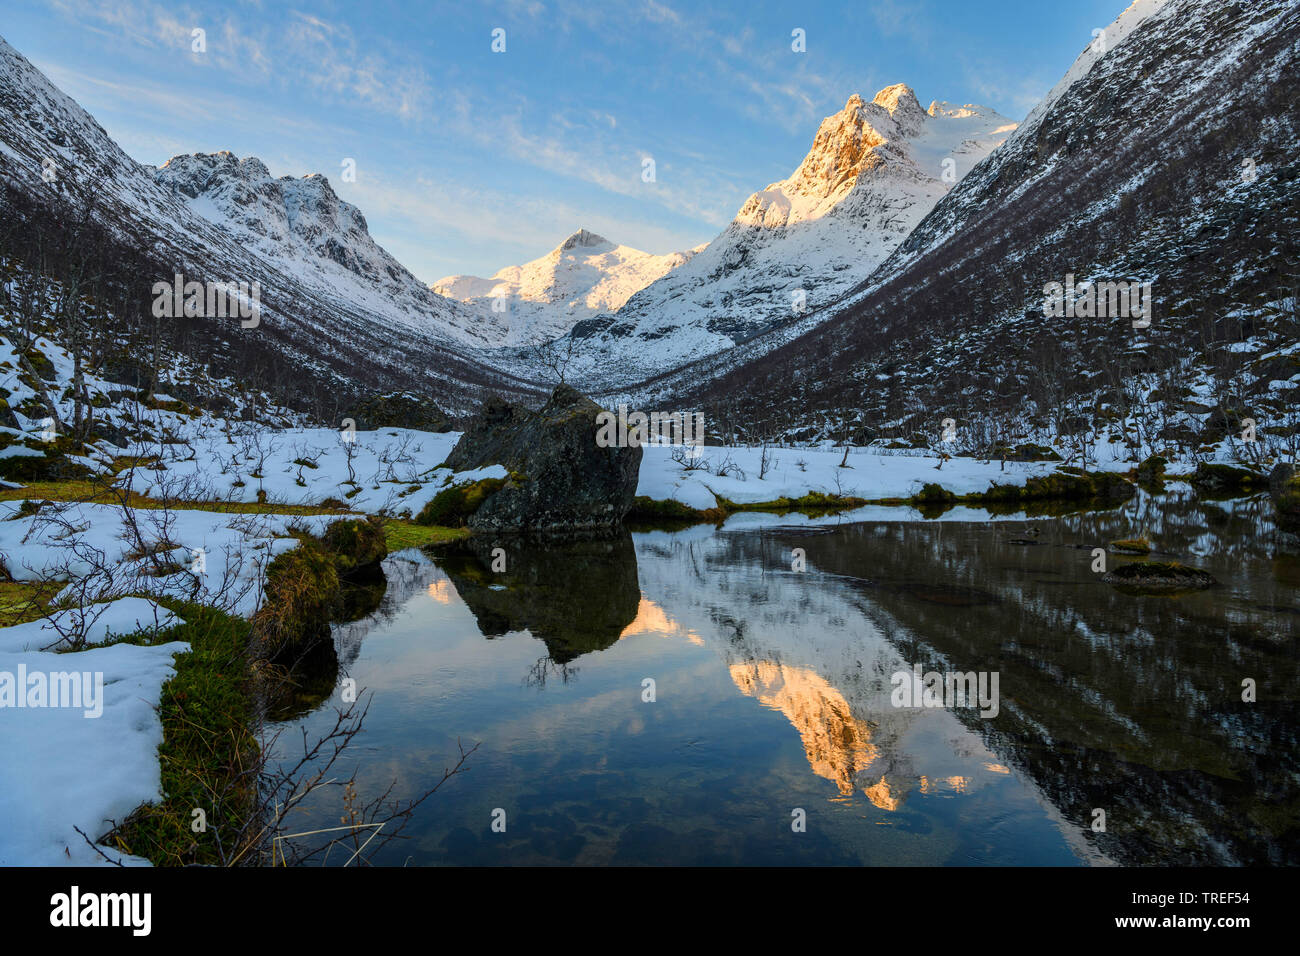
<point x="339" y="316"/>
<point x="874" y="169"/>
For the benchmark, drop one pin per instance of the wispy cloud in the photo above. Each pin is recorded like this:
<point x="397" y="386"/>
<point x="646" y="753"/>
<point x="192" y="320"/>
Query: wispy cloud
<point x="910" y="20"/>
<point x="427" y="220"/>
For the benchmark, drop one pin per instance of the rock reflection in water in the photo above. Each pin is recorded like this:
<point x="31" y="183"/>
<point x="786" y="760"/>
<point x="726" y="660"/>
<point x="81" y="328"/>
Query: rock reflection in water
<point x="774" y="693"/>
<point x="575" y="596"/>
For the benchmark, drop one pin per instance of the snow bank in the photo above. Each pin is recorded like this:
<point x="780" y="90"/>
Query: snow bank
<point x="795" y="472"/>
<point x="97" y="623"/>
<point x="235" y="549"/>
<point x="61" y="769"/>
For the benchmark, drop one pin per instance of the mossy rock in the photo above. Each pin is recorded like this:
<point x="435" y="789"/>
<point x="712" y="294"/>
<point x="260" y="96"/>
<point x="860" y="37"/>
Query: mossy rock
<point x="1025" y="452"/>
<point x="452" y="507"/>
<point x="932" y="493"/>
<point x="357" y="544"/>
<point x="1158" y="577"/>
<point x="1284" y="485"/>
<point x="7" y="417"/>
<point x="400" y="410"/>
<point x="41" y="364"/>
<point x="1131" y="546"/>
<point x="576" y="481"/>
<point x="1217" y="478"/>
<point x="302" y="589"/>
<point x="125" y="369"/>
<point x="1224" y="422"/>
<point x="50" y="466"/>
<point x="1151" y="473"/>
<point x="1065" y="485"/>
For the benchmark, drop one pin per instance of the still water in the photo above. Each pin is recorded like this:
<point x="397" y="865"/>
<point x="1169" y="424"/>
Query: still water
<point x="772" y="695"/>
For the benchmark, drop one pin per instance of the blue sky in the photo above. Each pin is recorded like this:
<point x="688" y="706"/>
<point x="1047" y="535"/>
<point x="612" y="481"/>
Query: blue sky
<point x="468" y="160"/>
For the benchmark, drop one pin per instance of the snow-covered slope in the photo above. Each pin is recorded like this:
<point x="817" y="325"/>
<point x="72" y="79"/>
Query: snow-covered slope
<point x="303" y="227"/>
<point x="581" y="277"/>
<point x="1165" y="156"/>
<point x="336" y="308"/>
<point x="874" y="170"/>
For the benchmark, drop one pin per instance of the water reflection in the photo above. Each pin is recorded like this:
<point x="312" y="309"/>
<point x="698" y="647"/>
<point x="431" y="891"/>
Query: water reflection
<point x="773" y="693"/>
<point x="574" y="596"/>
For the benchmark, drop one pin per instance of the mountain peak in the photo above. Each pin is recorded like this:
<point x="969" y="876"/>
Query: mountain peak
<point x="898" y="97"/>
<point x="584" y="276"/>
<point x="583" y="238"/>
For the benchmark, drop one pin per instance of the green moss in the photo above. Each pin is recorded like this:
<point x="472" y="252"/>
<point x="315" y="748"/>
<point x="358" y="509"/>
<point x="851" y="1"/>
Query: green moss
<point x="23" y="601"/>
<point x="406" y="534"/>
<point x="356" y="543"/>
<point x="813" y="501"/>
<point x="1132" y="546"/>
<point x="453" y="506"/>
<point x="209" y="744"/>
<point x="1226" y="478"/>
<point x="302" y="587"/>
<point x="645" y="508"/>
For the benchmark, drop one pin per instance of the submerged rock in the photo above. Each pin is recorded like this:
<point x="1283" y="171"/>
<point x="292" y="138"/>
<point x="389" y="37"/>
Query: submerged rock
<point x="1131" y="546"/>
<point x="1159" y="577"/>
<point x="559" y="480"/>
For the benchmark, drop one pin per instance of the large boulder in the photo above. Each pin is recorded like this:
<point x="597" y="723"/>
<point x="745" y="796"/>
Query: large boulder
<point x="7" y="417"/>
<point x="400" y="410"/>
<point x="559" y="480"/>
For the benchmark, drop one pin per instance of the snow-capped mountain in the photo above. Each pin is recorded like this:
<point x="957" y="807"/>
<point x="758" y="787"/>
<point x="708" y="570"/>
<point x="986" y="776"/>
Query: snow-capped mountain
<point x="1146" y="163"/>
<point x="337" y="311"/>
<point x="583" y="276"/>
<point x="303" y="225"/>
<point x="874" y="170"/>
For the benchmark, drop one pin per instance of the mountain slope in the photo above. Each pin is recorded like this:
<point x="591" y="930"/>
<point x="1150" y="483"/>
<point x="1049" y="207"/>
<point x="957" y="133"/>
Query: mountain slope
<point x="581" y="277"/>
<point x="303" y="227"/>
<point x="331" y="298"/>
<point x="1133" y="169"/>
<point x="873" y="171"/>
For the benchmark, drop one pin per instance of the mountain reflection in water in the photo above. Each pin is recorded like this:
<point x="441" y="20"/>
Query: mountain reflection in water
<point x="771" y="694"/>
